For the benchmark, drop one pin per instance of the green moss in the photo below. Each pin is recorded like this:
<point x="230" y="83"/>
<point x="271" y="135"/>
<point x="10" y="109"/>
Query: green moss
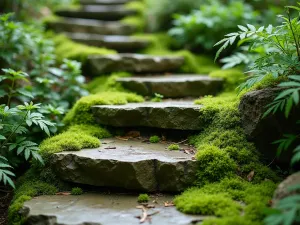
<point x="76" y="191"/>
<point x="92" y="130"/>
<point x="81" y="111"/>
<point x="138" y="20"/>
<point x="24" y="193"/>
<point x="235" y="220"/>
<point x="154" y="139"/>
<point x="157" y="98"/>
<point x="107" y="83"/>
<point x="173" y="147"/>
<point x="194" y="201"/>
<point x="213" y="164"/>
<point x="138" y="6"/>
<point x="66" y="48"/>
<point x="143" y="198"/>
<point x="233" y="78"/>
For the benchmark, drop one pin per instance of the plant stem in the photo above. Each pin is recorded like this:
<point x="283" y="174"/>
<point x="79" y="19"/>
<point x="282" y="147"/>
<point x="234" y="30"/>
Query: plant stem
<point x="294" y="36"/>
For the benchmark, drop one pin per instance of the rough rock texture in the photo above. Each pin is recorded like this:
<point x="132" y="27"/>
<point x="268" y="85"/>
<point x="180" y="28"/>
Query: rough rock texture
<point x="103" y="2"/>
<point x="282" y="189"/>
<point x="131" y="165"/>
<point x="106" y="209"/>
<point x="116" y="42"/>
<point x="173" y="86"/>
<point x="178" y="115"/>
<point x="133" y="63"/>
<point x="99" y="12"/>
<point x="91" y="26"/>
<point x="264" y="131"/>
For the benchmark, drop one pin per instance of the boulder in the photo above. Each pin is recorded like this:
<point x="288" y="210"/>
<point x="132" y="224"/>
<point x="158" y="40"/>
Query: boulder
<point x="131" y="165"/>
<point x="90" y="26"/>
<point x="175" y="86"/>
<point x="135" y="63"/>
<point x="283" y="191"/>
<point x="264" y="131"/>
<point x="178" y="115"/>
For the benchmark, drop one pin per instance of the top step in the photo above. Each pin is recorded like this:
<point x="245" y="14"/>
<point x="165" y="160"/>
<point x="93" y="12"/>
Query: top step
<point x="99" y="12"/>
<point x="103" y="2"/>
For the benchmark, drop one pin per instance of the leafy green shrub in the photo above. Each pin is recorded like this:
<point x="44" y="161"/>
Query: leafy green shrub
<point x="154" y="139"/>
<point x="206" y="26"/>
<point x="76" y="191"/>
<point x="159" y="12"/>
<point x="143" y="198"/>
<point x="173" y="147"/>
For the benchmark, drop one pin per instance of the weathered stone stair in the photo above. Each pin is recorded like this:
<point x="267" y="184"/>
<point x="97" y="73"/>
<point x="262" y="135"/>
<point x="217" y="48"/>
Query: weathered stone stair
<point x="91" y="26"/>
<point x="132" y="164"/>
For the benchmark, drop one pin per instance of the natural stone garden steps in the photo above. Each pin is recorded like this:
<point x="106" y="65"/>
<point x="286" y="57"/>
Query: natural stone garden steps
<point x="136" y="63"/>
<point x="100" y="12"/>
<point x="116" y="42"/>
<point x="103" y="2"/>
<point x="104" y="209"/>
<point x="131" y="164"/>
<point x="180" y="115"/>
<point x="90" y="26"/>
<point x="173" y="86"/>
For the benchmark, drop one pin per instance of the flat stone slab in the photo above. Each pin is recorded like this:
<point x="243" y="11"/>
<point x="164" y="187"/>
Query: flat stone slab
<point x="136" y="63"/>
<point x="175" y="86"/>
<point x="116" y="42"/>
<point x="96" y="209"/>
<point x="103" y="2"/>
<point x="99" y="12"/>
<point x="132" y="165"/>
<point x="179" y="115"/>
<point x="91" y="26"/>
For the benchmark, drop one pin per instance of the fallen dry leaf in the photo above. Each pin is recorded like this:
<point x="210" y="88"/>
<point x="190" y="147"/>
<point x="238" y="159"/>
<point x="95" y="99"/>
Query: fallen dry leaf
<point x="63" y="193"/>
<point x="169" y="204"/>
<point x="110" y="148"/>
<point x="122" y="138"/>
<point x="250" y="176"/>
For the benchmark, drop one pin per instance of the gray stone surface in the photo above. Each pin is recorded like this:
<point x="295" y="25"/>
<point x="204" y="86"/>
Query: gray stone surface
<point x="116" y="42"/>
<point x="91" y="26"/>
<point x="180" y="115"/>
<point x="99" y="12"/>
<point x="113" y="209"/>
<point x="103" y="2"/>
<point x="264" y="131"/>
<point x="132" y="165"/>
<point x="173" y="86"/>
<point x="136" y="63"/>
<point x="282" y="189"/>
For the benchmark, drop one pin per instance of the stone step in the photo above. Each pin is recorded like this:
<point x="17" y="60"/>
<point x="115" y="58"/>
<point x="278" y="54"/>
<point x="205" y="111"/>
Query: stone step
<point x="91" y="26"/>
<point x="99" y="12"/>
<point x="116" y="42"/>
<point x="136" y="63"/>
<point x="102" y="209"/>
<point x="131" y="165"/>
<point x="173" y="86"/>
<point x="178" y="115"/>
<point x="103" y="2"/>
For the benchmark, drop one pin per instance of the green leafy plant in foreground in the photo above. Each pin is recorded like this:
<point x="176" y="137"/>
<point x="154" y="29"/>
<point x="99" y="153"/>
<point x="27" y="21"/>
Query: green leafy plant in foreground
<point x="157" y="98"/>
<point x="16" y="123"/>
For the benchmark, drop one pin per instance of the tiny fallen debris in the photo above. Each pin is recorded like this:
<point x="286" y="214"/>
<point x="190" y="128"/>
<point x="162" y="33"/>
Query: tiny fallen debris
<point x="145" y="216"/>
<point x="250" y="176"/>
<point x="169" y="204"/>
<point x="110" y="147"/>
<point x="63" y="193"/>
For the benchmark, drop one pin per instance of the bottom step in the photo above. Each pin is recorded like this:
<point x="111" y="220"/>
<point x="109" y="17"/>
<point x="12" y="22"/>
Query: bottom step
<point x="101" y="209"/>
<point x="132" y="165"/>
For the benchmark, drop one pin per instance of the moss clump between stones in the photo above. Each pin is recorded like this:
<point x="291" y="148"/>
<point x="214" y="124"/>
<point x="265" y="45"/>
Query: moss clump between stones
<point x="66" y="48"/>
<point x="143" y="198"/>
<point x="154" y="139"/>
<point x="107" y="83"/>
<point x="25" y="192"/>
<point x="233" y="78"/>
<point x="202" y="200"/>
<point x="81" y="111"/>
<point x="173" y="147"/>
<point x="76" y="191"/>
<point x="138" y="20"/>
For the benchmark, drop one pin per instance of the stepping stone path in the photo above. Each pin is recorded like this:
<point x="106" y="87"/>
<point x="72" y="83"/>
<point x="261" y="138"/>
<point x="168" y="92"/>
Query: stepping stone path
<point x="131" y="164"/>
